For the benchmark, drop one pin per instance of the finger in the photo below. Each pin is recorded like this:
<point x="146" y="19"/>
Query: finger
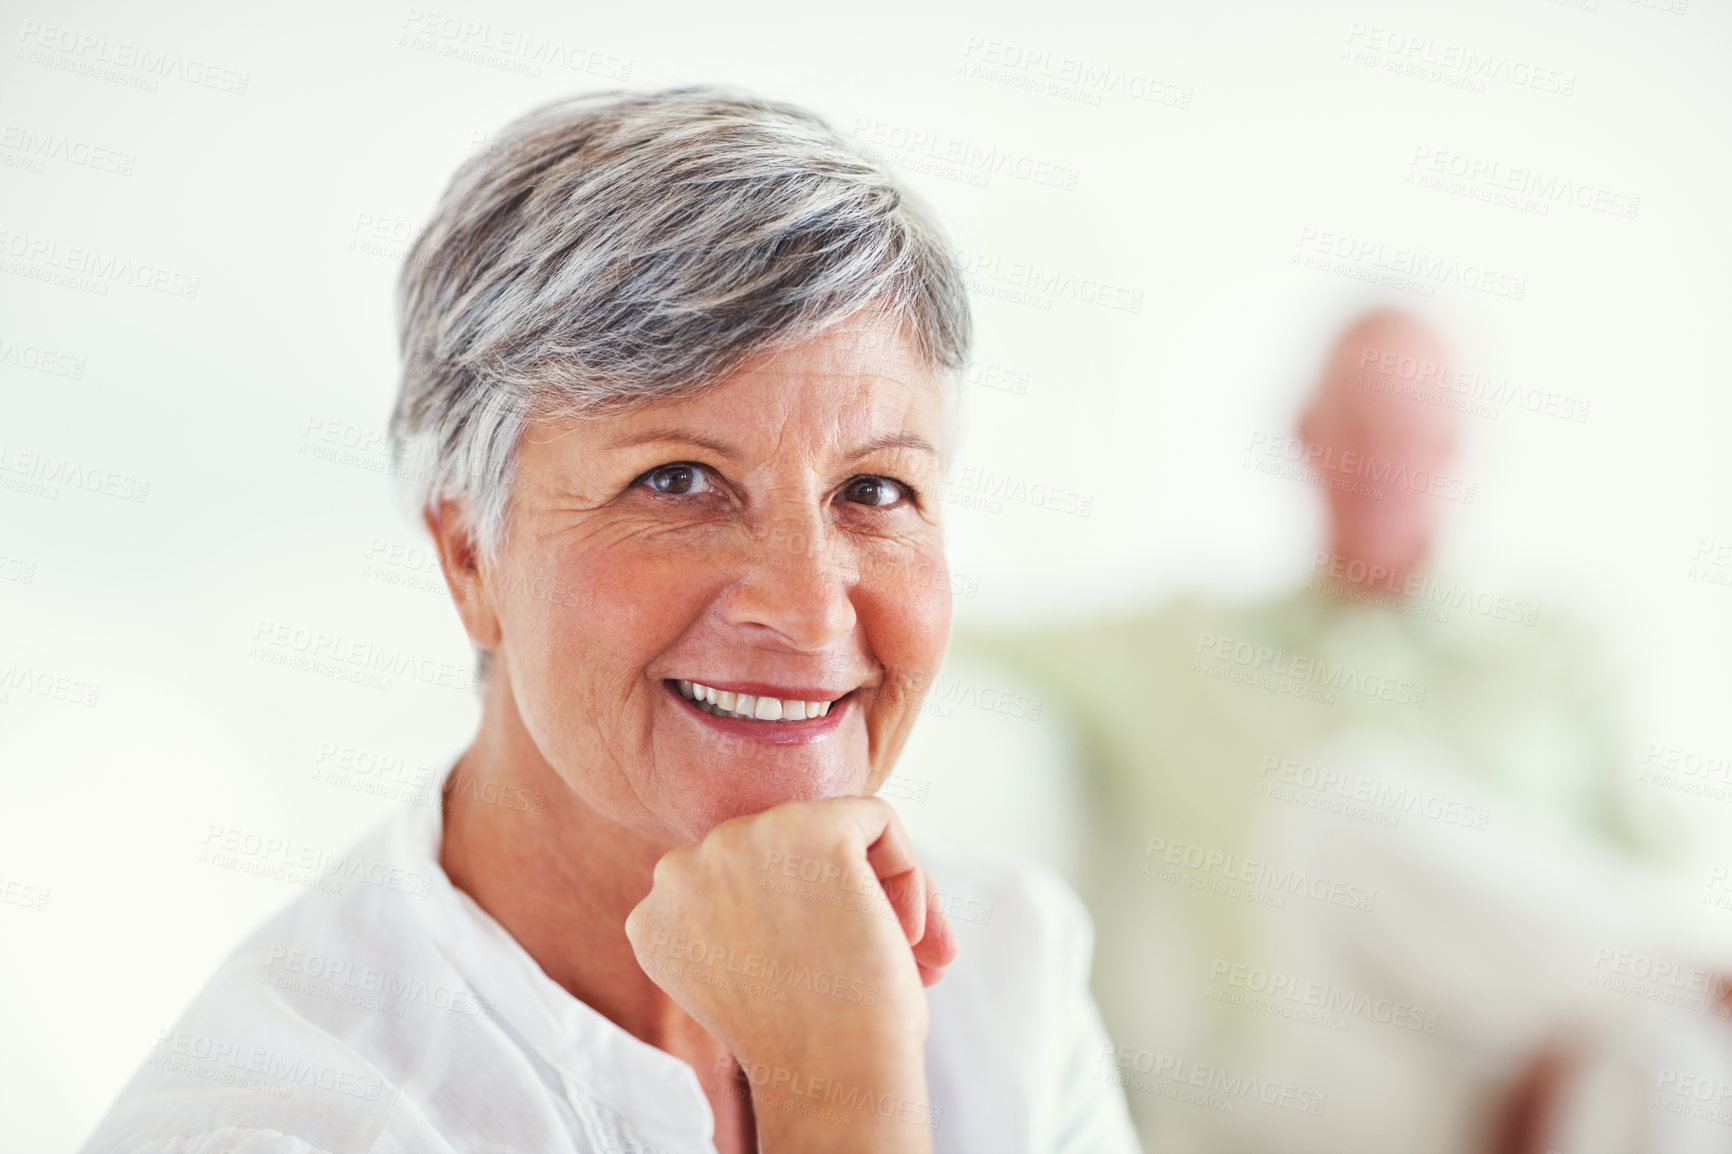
<point x="888" y="847"/>
<point x="938" y="946"/>
<point x="890" y="853"/>
<point x="636" y="922"/>
<point x="930" y="977"/>
<point x="906" y="894"/>
<point x="1528" y="1118"/>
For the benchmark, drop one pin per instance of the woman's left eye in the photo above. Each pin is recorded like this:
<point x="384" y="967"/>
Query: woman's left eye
<point x="677" y="480"/>
<point x="877" y="492"/>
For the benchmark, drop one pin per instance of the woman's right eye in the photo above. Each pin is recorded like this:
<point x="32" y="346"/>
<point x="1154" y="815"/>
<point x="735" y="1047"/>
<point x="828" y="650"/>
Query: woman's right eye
<point x="678" y="480"/>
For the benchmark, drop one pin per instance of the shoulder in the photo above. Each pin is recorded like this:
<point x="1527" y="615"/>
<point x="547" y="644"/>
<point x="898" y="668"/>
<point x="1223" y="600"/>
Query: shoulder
<point x="1018" y="899"/>
<point x="1023" y="932"/>
<point x="306" y="1035"/>
<point x="1017" y="1057"/>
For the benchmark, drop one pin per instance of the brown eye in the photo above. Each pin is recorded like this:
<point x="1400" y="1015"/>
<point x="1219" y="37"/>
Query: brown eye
<point x="877" y="492"/>
<point x="677" y="480"/>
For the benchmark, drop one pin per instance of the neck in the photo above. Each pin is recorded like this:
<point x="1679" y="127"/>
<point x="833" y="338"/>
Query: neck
<point x="559" y="876"/>
<point x="1388" y="578"/>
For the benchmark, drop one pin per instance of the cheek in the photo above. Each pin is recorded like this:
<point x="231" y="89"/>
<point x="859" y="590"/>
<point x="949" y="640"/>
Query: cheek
<point x="580" y="624"/>
<point x="906" y="612"/>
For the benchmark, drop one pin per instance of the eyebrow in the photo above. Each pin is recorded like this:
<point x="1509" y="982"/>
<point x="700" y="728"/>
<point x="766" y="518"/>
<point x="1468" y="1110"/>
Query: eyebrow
<point x="894" y="441"/>
<point x="665" y="434"/>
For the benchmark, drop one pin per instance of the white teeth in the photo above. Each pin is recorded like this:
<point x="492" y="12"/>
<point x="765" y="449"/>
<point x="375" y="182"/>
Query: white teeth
<point x="725" y="704"/>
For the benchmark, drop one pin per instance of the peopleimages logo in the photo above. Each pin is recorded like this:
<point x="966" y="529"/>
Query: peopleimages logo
<point x="966" y="156"/>
<point x="1523" y="182"/>
<point x="1305" y="669"/>
<point x="88" y="269"/>
<point x="1285" y="995"/>
<point x="1425" y="56"/>
<point x="371" y="987"/>
<point x="1461" y="390"/>
<point x="1121" y="1064"/>
<point x="516" y="50"/>
<point x="1408" y="268"/>
<point x="975" y="487"/>
<point x="34" y="148"/>
<point x="1662" y="980"/>
<point x="1066" y="77"/>
<point x="284" y="859"/>
<point x="1038" y="283"/>
<point x="52" y="472"/>
<point x="1361" y="581"/>
<point x="255" y="1067"/>
<point x="1286" y="780"/>
<point x="122" y="61"/>
<point x="43" y="683"/>
<point x="775" y="973"/>
<point x="41" y="360"/>
<point x="330" y="653"/>
<point x="1375" y="473"/>
<point x="1261" y="882"/>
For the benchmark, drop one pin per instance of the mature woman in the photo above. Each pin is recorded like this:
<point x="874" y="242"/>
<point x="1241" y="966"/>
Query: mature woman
<point x="677" y="365"/>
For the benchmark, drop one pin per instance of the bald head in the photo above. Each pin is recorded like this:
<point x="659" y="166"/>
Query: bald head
<point x="1382" y="398"/>
<point x="1387" y="367"/>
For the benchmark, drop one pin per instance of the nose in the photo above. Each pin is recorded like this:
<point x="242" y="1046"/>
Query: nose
<point x="796" y="584"/>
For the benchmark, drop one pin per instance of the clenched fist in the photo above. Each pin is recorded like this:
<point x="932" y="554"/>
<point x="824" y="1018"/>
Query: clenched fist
<point x="800" y="937"/>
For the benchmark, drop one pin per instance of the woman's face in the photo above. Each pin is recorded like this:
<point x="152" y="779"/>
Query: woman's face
<point x="775" y="539"/>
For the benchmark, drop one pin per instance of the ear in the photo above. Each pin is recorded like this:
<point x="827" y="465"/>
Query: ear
<point x="469" y="583"/>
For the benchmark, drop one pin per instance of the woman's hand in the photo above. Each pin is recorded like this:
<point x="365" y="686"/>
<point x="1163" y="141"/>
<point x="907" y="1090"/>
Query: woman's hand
<point x="800" y="937"/>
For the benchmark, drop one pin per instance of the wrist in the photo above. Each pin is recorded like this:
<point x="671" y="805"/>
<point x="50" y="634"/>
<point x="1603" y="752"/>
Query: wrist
<point x="841" y="1104"/>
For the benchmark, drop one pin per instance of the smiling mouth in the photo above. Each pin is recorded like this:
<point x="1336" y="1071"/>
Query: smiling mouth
<point x="748" y="707"/>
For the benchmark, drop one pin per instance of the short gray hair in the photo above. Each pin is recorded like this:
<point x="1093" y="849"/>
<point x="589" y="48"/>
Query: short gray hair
<point x="616" y="248"/>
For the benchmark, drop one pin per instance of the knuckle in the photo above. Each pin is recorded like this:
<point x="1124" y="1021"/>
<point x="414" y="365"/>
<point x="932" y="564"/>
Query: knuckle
<point x="832" y="845"/>
<point x="667" y="869"/>
<point x="779" y="822"/>
<point x="881" y="806"/>
<point x="733" y="833"/>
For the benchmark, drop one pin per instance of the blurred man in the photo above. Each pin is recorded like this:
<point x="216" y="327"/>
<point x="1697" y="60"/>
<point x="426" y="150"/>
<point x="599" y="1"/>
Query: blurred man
<point x="1380" y="700"/>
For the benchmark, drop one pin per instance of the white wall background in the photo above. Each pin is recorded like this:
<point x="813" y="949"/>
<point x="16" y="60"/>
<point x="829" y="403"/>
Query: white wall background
<point x="287" y="202"/>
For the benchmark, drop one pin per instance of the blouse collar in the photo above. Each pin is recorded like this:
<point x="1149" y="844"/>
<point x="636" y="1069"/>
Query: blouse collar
<point x="658" y="1092"/>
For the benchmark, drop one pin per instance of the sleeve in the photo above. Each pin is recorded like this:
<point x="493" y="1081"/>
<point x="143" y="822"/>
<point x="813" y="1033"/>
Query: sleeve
<point x="1643" y="821"/>
<point x="1089" y="1115"/>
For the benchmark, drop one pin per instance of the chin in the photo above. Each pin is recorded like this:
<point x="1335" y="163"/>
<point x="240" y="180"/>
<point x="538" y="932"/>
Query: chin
<point x="739" y="790"/>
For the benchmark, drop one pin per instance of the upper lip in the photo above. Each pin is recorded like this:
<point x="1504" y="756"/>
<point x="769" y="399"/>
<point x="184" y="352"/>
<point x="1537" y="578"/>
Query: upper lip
<point x="765" y="689"/>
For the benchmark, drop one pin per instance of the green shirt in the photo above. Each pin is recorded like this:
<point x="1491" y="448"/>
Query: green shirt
<point x="1186" y="713"/>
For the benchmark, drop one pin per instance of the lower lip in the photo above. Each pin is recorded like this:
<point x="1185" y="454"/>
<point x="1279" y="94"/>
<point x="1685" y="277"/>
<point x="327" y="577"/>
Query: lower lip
<point x="771" y="732"/>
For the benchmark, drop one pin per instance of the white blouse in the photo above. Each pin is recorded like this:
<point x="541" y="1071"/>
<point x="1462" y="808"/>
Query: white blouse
<point x="387" y="1012"/>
